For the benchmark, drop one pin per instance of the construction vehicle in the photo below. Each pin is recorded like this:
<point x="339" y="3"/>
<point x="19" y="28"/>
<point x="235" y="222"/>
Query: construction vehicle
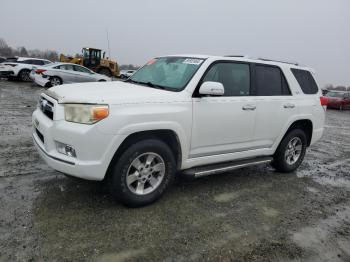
<point x="93" y="59"/>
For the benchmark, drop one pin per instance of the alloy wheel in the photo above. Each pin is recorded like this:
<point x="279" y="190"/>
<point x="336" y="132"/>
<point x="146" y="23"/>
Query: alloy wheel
<point x="293" y="150"/>
<point x="145" y="173"/>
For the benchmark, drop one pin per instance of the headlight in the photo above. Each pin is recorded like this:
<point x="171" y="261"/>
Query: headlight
<point x="85" y="114"/>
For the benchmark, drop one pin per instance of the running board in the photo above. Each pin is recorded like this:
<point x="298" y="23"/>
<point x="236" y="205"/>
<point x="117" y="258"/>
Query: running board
<point x="224" y="167"/>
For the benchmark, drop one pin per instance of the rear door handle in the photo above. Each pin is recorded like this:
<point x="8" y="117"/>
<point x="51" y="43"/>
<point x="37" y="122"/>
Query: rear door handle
<point x="249" y="107"/>
<point x="288" y="105"/>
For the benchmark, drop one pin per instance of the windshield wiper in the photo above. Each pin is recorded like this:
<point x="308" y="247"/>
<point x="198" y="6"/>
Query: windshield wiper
<point x="150" y="84"/>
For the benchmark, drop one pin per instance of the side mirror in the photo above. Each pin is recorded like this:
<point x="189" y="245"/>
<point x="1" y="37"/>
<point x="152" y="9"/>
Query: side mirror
<point x="212" y="88"/>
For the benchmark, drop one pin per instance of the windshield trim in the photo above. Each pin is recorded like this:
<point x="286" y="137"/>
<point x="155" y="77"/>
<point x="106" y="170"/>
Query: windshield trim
<point x="166" y="88"/>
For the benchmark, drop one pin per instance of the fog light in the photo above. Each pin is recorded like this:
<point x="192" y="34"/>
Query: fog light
<point x="65" y="149"/>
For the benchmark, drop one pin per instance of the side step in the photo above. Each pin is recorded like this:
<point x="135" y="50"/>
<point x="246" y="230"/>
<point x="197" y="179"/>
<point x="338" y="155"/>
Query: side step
<point x="224" y="167"/>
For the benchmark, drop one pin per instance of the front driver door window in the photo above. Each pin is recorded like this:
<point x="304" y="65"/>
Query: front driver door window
<point x="83" y="74"/>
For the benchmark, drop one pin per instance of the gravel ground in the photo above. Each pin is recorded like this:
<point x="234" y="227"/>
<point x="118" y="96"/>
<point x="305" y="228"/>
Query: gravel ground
<point x="252" y="214"/>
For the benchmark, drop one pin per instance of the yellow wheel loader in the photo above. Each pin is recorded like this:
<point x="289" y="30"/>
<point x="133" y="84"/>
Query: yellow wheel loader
<point x="93" y="59"/>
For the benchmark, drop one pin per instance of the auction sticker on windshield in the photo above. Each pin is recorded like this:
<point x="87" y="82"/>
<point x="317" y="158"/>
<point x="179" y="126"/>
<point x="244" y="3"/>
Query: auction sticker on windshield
<point x="192" y="61"/>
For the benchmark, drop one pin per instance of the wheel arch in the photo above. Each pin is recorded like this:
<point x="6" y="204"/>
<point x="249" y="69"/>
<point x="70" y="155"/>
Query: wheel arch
<point x="304" y="124"/>
<point x="168" y="136"/>
<point x="21" y="70"/>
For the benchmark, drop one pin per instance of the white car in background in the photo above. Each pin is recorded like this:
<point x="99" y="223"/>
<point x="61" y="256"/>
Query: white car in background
<point x="65" y="73"/>
<point x="20" y="67"/>
<point x="126" y="73"/>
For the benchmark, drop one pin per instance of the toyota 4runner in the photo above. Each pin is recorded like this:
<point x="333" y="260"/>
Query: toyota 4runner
<point x="191" y="113"/>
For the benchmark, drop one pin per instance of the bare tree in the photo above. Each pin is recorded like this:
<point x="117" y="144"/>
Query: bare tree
<point x="328" y="87"/>
<point x="22" y="51"/>
<point x="5" y="50"/>
<point x="340" y="88"/>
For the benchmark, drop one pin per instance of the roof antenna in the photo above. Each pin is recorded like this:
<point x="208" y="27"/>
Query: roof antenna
<point x="109" y="50"/>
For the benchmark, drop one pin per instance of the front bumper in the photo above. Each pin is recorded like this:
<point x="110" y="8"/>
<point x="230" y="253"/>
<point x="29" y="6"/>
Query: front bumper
<point x="94" y="149"/>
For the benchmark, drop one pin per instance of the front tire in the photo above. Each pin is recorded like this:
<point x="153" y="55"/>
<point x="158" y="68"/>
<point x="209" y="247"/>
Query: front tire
<point x="142" y="173"/>
<point x="291" y="151"/>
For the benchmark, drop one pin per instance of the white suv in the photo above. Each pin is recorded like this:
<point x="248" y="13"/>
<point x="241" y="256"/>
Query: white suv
<point x="20" y="67"/>
<point x="191" y="113"/>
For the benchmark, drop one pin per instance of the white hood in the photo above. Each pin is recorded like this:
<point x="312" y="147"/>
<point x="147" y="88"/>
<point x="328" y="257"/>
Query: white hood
<point x="115" y="92"/>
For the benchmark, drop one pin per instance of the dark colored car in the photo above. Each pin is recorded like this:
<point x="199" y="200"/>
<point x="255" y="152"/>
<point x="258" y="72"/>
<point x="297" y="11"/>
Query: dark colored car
<point x="2" y="59"/>
<point x="339" y="100"/>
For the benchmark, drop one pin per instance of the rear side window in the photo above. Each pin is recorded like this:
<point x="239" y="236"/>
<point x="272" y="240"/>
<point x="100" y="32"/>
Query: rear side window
<point x="306" y="81"/>
<point x="270" y="81"/>
<point x="37" y="62"/>
<point x="65" y="67"/>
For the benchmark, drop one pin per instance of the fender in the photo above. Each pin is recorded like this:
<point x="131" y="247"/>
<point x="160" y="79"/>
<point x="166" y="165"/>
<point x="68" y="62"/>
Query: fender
<point x="288" y="124"/>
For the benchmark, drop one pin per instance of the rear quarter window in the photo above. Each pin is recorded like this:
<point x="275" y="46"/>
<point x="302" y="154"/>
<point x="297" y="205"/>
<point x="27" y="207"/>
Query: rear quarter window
<point x="270" y="81"/>
<point x="306" y="81"/>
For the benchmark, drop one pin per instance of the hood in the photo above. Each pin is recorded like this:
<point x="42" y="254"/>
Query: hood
<point x="115" y="92"/>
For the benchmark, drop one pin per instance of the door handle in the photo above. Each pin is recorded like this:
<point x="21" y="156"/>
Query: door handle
<point x="288" y="105"/>
<point x="249" y="107"/>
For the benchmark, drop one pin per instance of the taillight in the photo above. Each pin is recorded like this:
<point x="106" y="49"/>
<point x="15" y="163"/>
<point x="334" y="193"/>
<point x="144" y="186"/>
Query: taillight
<point x="324" y="101"/>
<point x="40" y="71"/>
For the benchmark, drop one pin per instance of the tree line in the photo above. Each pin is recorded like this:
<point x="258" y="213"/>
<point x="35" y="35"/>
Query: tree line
<point x="7" y="51"/>
<point x="337" y="88"/>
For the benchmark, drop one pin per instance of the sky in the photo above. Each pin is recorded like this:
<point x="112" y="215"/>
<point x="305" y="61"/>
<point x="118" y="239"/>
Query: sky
<point x="313" y="32"/>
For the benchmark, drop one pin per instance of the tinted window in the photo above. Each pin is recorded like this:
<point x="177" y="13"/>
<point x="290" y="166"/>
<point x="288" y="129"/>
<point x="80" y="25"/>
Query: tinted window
<point x="37" y="62"/>
<point x="235" y="78"/>
<point x="82" y="69"/>
<point x="270" y="81"/>
<point x="29" y="61"/>
<point x="306" y="81"/>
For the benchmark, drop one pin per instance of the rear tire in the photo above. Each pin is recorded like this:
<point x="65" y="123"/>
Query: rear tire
<point x="142" y="173"/>
<point x="55" y="81"/>
<point x="24" y="75"/>
<point x="291" y="151"/>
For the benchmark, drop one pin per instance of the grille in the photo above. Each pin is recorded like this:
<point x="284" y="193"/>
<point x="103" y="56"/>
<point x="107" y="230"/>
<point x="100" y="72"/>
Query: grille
<point x="40" y="135"/>
<point x="46" y="107"/>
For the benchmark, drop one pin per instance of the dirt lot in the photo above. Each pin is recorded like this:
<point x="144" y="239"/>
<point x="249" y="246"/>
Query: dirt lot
<point x="253" y="214"/>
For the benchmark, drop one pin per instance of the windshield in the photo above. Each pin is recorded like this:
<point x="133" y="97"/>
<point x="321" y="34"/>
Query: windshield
<point x="170" y="73"/>
<point x="335" y="94"/>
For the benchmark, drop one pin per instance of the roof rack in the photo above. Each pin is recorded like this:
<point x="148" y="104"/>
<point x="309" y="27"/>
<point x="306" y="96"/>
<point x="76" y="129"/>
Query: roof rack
<point x="235" y="55"/>
<point x="264" y="59"/>
<point x="279" y="61"/>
